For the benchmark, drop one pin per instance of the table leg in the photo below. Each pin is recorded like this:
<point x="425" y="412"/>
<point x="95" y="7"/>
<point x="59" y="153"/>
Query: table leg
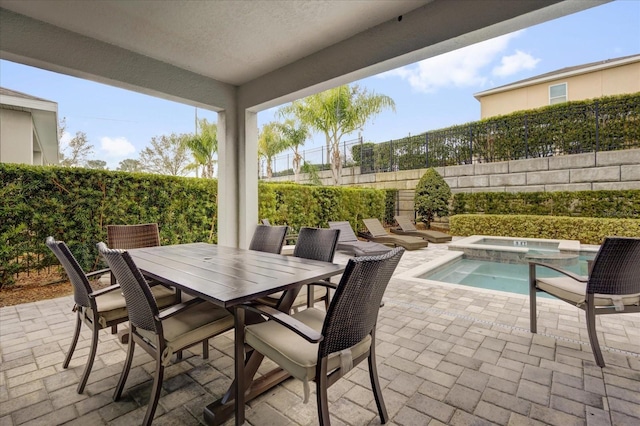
<point x="244" y="388"/>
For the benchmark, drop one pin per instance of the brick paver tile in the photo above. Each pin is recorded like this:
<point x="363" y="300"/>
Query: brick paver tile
<point x="463" y="397"/>
<point x="431" y="407"/>
<point x="492" y="413"/>
<point x="554" y="417"/>
<point x="409" y="417"/>
<point x="533" y="392"/>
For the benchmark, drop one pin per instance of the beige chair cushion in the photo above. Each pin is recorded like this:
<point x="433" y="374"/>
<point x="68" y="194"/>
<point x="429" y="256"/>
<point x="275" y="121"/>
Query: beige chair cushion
<point x="574" y="291"/>
<point x="111" y="305"/>
<point x="191" y="326"/>
<point x="292" y="352"/>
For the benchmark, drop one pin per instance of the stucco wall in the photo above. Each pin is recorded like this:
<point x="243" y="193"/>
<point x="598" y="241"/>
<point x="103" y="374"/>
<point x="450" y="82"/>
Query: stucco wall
<point x="608" y="82"/>
<point x="16" y="137"/>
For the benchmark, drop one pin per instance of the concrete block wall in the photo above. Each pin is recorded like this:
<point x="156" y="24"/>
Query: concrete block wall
<point x="578" y="172"/>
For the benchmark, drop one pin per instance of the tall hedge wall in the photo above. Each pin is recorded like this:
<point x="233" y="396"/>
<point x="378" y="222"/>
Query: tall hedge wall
<point x="75" y="205"/>
<point x="605" y="204"/>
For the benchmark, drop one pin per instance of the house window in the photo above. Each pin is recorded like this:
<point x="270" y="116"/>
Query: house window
<point x="557" y="93"/>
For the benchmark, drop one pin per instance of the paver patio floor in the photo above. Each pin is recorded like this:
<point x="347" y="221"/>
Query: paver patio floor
<point x="446" y="356"/>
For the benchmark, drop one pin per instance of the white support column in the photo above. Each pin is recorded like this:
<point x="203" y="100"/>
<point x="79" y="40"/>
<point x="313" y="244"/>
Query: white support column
<point x="248" y="176"/>
<point x="228" y="190"/>
<point x="237" y="177"/>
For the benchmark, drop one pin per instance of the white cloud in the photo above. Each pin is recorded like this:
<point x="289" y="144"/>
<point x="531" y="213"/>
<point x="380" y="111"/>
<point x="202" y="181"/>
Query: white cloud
<point x="515" y="63"/>
<point x="463" y="67"/>
<point x="116" y="149"/>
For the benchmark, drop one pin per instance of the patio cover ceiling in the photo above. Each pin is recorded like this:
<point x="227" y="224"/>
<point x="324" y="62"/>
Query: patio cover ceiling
<point x="240" y="57"/>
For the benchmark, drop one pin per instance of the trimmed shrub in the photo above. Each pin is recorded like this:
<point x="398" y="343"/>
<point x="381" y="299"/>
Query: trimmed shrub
<point x="432" y="196"/>
<point x="586" y="230"/>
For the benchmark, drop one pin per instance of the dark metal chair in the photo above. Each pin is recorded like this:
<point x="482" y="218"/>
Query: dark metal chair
<point x="319" y="346"/>
<point x="269" y="239"/>
<point x="125" y="237"/>
<point x="160" y="333"/>
<point x="315" y="244"/>
<point x="612" y="287"/>
<point x="97" y="309"/>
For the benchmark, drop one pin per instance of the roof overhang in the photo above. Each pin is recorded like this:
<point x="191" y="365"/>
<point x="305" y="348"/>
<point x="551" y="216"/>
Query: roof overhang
<point x="255" y="54"/>
<point x="45" y="122"/>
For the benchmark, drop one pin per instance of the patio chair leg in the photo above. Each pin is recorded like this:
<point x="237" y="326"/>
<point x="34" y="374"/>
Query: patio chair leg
<point x="593" y="336"/>
<point x="155" y="392"/>
<point x="375" y="383"/>
<point x="92" y="357"/>
<point x="74" y="342"/>
<point x="533" y="323"/>
<point x="322" y="383"/>
<point x="125" y="370"/>
<point x="205" y="349"/>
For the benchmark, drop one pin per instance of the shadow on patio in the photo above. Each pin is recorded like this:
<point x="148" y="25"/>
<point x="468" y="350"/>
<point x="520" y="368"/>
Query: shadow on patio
<point x="445" y="355"/>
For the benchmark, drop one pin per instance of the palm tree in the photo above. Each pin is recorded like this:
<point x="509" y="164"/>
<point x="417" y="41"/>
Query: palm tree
<point x="294" y="134"/>
<point x="203" y="147"/>
<point x="270" y="144"/>
<point x="338" y="112"/>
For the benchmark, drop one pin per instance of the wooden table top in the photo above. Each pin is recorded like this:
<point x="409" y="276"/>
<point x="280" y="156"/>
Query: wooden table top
<point x="228" y="276"/>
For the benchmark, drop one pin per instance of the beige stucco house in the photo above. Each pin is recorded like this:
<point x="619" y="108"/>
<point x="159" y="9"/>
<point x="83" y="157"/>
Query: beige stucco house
<point x="605" y="78"/>
<point x="28" y="129"/>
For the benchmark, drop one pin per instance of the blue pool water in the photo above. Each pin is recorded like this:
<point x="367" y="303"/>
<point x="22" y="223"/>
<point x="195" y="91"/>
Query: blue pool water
<point x="509" y="277"/>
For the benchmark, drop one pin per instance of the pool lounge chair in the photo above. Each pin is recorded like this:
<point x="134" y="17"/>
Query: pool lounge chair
<point x="408" y="228"/>
<point x="349" y="243"/>
<point x="378" y="234"/>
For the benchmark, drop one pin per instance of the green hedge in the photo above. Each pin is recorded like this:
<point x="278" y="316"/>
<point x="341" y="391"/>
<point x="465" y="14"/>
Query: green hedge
<point x="604" y="124"/>
<point x="306" y="205"/>
<point x="75" y="205"/>
<point x="586" y="230"/>
<point x="611" y="204"/>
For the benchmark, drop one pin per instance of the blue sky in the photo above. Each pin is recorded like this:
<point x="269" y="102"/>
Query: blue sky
<point x="431" y="94"/>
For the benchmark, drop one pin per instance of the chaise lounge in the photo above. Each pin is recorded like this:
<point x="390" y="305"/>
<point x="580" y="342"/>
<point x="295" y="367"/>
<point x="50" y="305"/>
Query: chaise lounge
<point x="378" y="234"/>
<point x="408" y="228"/>
<point x="348" y="242"/>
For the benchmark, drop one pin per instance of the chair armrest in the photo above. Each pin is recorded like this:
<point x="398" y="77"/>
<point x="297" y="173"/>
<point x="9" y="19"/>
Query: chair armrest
<point x="301" y="329"/>
<point x="562" y="271"/>
<point x="100" y="272"/>
<point x="102" y="291"/>
<point x="178" y="308"/>
<point x="327" y="284"/>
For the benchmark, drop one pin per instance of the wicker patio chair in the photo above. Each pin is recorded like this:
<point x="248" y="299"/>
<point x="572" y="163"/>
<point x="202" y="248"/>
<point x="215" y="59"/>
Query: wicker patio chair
<point x="269" y="239"/>
<point x="378" y="234"/>
<point x="315" y="244"/>
<point x="316" y="346"/>
<point x="289" y="239"/>
<point x="408" y="228"/>
<point x="612" y="287"/>
<point x="125" y="237"/>
<point x="97" y="309"/>
<point x="349" y="242"/>
<point x="160" y="333"/>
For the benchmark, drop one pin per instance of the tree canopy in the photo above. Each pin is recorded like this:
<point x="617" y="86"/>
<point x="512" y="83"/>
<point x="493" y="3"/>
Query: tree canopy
<point x="167" y="155"/>
<point x="338" y="112"/>
<point x="204" y="146"/>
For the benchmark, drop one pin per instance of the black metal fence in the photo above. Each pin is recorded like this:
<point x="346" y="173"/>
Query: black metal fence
<point x="605" y="124"/>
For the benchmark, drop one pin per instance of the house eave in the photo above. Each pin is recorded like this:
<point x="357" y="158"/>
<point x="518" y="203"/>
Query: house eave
<point x="559" y="76"/>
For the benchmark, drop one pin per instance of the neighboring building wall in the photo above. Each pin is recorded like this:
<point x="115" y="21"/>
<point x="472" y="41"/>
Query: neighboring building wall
<point x="606" y="82"/>
<point x="16" y="126"/>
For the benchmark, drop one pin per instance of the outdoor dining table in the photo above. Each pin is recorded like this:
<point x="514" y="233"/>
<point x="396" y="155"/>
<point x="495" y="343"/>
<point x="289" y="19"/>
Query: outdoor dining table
<point x="229" y="277"/>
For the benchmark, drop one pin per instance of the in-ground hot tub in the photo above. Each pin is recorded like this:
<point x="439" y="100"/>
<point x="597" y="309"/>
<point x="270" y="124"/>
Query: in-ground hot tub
<point x="501" y="263"/>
